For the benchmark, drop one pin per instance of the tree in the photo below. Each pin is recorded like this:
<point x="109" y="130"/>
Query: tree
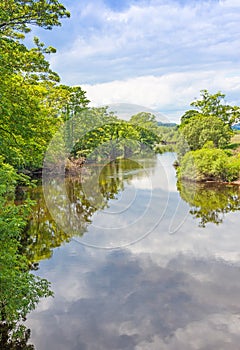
<point x="213" y="105"/>
<point x="32" y="104"/>
<point x="145" y="120"/>
<point x="101" y="134"/>
<point x="16" y="16"/>
<point x="109" y="140"/>
<point x="147" y="127"/>
<point x="201" y="128"/>
<point x="27" y="122"/>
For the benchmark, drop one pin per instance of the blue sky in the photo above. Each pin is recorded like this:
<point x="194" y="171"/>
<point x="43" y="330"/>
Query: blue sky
<point x="155" y="53"/>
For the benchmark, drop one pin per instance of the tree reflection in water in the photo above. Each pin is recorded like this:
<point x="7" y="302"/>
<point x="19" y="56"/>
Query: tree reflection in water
<point x="210" y="202"/>
<point x="86" y="194"/>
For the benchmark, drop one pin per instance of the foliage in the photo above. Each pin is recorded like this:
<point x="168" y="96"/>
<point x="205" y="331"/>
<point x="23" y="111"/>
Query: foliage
<point x="26" y="125"/>
<point x="19" y="290"/>
<point x="145" y="120"/>
<point x="29" y="116"/>
<point x="16" y="16"/>
<point x="17" y="342"/>
<point x="102" y="135"/>
<point x="32" y="104"/>
<point x="168" y="134"/>
<point x="201" y="128"/>
<point x="209" y="163"/>
<point x="212" y="105"/>
<point x="30" y="113"/>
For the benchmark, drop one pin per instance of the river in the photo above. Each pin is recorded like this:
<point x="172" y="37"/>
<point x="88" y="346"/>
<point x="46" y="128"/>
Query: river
<point x="137" y="261"/>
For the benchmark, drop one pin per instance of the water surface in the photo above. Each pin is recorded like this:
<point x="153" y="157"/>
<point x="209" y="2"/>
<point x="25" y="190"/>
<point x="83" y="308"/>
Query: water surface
<point x="139" y="262"/>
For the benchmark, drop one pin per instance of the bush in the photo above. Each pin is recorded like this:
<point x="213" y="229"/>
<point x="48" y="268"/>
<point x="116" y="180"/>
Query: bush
<point x="209" y="164"/>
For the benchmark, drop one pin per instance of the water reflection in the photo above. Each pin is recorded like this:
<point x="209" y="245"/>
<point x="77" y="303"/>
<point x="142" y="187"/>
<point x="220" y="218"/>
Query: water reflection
<point x="210" y="202"/>
<point x="85" y="195"/>
<point x="126" y="299"/>
<point x="168" y="292"/>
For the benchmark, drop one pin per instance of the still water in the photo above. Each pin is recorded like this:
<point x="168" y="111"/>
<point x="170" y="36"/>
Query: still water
<point x="136" y="261"/>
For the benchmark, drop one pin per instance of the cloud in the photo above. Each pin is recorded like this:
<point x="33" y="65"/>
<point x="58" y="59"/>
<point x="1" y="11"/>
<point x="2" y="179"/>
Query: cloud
<point x="150" y="52"/>
<point x="133" y="303"/>
<point x="148" y="38"/>
<point x="170" y="93"/>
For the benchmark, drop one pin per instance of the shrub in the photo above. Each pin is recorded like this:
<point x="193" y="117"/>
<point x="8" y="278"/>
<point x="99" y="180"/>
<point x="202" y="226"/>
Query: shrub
<point x="209" y="164"/>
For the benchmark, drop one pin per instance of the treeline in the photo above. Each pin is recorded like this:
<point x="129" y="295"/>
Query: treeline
<point x="32" y="106"/>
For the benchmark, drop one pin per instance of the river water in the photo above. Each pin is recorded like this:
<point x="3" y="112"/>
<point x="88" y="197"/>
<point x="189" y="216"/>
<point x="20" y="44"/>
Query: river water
<point x="137" y="261"/>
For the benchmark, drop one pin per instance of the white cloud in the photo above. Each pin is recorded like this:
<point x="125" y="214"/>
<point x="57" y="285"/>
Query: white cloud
<point x="154" y="53"/>
<point x="170" y="93"/>
<point x="230" y="3"/>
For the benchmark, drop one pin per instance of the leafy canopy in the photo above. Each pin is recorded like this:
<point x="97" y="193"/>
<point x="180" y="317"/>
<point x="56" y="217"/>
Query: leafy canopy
<point x="17" y="16"/>
<point x="213" y="105"/>
<point x="32" y="104"/>
<point x="209" y="163"/>
<point x="201" y="128"/>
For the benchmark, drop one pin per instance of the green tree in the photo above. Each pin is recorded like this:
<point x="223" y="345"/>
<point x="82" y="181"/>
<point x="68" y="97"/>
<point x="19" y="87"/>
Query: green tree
<point x="109" y="140"/>
<point x="101" y="134"/>
<point x="147" y="127"/>
<point x="16" y="16"/>
<point x="203" y="128"/>
<point x="145" y="120"/>
<point x="32" y="104"/>
<point x="213" y="105"/>
<point x="28" y="120"/>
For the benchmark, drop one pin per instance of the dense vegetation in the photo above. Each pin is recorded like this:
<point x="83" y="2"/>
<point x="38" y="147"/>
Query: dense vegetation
<point x="33" y="106"/>
<point x="204" y="148"/>
<point x="100" y="134"/>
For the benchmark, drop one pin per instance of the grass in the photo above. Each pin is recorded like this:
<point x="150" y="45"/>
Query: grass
<point x="236" y="139"/>
<point x="235" y="143"/>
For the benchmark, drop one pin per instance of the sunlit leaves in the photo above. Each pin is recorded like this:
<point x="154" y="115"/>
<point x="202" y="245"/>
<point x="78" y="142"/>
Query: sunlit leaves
<point x="213" y="105"/>
<point x="17" y="16"/>
<point x="209" y="164"/>
<point x="203" y="128"/>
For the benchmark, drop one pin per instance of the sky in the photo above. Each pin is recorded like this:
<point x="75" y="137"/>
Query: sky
<point x="154" y="53"/>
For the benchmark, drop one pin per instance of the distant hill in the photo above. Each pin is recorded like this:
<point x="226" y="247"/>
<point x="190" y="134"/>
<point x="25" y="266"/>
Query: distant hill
<point x="168" y="125"/>
<point x="126" y="110"/>
<point x="236" y="126"/>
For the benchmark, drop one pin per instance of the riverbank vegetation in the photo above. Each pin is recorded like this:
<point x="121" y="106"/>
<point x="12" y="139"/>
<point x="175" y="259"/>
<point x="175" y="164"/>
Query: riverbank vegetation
<point x="33" y="104"/>
<point x="207" y="146"/>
